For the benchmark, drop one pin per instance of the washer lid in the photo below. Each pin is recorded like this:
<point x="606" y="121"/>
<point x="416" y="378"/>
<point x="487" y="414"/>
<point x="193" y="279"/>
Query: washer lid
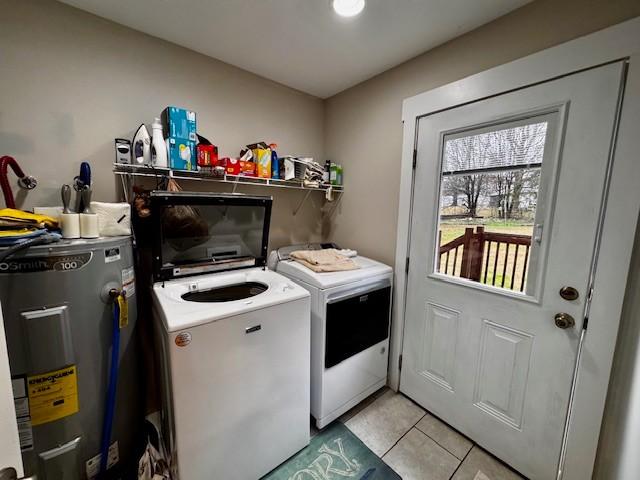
<point x="179" y="313"/>
<point x="197" y="233"/>
<point x="368" y="268"/>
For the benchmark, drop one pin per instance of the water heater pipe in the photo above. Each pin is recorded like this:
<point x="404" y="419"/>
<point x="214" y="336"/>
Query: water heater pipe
<point x="24" y="181"/>
<point x="110" y="405"/>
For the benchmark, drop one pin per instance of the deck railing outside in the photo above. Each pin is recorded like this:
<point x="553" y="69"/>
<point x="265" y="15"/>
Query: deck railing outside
<point x="498" y="259"/>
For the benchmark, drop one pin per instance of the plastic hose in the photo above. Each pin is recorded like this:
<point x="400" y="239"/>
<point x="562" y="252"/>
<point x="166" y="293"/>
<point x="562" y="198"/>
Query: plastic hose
<point x="5" y="163"/>
<point x="41" y="240"/>
<point x="111" y="392"/>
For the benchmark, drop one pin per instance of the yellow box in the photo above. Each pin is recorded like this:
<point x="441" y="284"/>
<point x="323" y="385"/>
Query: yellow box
<point x="262" y="157"/>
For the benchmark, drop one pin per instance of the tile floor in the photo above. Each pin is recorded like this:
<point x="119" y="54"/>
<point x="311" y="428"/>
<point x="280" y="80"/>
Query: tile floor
<point x="417" y="445"/>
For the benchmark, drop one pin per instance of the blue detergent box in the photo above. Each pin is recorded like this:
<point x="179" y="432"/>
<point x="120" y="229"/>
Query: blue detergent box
<point x="179" y="123"/>
<point x="182" y="154"/>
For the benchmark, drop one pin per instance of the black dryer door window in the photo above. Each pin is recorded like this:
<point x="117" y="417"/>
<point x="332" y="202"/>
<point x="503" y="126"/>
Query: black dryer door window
<point x="355" y="324"/>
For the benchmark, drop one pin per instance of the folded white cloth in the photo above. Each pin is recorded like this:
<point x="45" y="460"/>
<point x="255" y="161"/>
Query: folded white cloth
<point x="325" y="260"/>
<point x="114" y="219"/>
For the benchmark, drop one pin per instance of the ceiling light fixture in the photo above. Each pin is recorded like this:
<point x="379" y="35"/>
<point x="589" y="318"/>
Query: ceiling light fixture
<point x="348" y="8"/>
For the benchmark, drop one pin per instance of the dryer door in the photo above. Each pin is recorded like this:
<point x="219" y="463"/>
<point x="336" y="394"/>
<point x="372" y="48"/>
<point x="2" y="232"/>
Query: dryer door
<point x="356" y="320"/>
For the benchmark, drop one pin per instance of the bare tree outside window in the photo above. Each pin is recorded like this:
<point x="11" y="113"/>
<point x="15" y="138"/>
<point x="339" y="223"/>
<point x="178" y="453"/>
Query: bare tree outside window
<point x="488" y="199"/>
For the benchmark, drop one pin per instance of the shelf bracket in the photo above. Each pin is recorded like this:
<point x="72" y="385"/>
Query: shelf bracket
<point x="125" y="187"/>
<point x="295" y="212"/>
<point x="336" y="203"/>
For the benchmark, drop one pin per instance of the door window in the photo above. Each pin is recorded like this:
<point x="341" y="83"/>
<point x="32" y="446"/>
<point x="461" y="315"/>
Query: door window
<point x="491" y="202"/>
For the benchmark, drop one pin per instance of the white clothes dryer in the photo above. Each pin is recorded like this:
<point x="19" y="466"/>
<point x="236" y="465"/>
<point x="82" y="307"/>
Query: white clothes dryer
<point x="350" y="318"/>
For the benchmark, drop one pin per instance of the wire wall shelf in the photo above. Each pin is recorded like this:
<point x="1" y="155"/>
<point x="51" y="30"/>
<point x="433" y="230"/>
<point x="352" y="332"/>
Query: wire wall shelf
<point x="153" y="172"/>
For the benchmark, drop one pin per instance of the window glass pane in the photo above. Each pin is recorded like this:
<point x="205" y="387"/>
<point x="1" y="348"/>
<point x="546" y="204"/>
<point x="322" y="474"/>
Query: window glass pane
<point x="499" y="149"/>
<point x="197" y="234"/>
<point x="488" y="198"/>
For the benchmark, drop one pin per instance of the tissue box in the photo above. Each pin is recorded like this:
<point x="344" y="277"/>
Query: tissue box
<point x="179" y="123"/>
<point x="182" y="154"/>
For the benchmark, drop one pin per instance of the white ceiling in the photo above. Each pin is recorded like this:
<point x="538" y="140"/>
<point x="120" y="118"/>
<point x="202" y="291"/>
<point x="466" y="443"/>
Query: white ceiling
<point x="303" y="43"/>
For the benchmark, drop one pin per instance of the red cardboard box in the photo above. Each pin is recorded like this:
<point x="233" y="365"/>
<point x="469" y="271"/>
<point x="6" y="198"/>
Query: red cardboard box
<point x="248" y="169"/>
<point x="232" y="165"/>
<point x="207" y="156"/>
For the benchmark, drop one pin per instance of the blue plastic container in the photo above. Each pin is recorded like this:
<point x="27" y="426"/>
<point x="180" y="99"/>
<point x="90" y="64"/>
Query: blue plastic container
<point x="275" y="162"/>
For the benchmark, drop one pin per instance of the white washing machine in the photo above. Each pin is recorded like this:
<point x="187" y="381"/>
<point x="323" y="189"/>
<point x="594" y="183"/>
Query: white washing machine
<point x="235" y="343"/>
<point x="350" y="317"/>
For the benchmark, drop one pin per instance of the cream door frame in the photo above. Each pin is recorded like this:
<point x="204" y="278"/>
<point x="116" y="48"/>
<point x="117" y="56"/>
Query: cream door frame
<point x="619" y="227"/>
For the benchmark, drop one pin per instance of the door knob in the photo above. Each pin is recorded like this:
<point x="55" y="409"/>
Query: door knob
<point x="564" y="320"/>
<point x="569" y="293"/>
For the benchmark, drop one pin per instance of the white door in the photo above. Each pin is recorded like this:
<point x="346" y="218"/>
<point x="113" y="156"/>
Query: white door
<point x="506" y="208"/>
<point x="9" y="443"/>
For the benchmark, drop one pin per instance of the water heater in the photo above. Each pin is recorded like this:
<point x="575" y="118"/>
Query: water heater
<point x="58" y="319"/>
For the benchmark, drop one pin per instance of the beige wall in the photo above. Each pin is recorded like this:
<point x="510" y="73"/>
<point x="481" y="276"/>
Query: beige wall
<point x="363" y="129"/>
<point x="71" y="82"/>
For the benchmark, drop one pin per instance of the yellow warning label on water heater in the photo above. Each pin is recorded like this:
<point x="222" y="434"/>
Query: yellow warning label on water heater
<point x="123" y="305"/>
<point x="53" y="395"/>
